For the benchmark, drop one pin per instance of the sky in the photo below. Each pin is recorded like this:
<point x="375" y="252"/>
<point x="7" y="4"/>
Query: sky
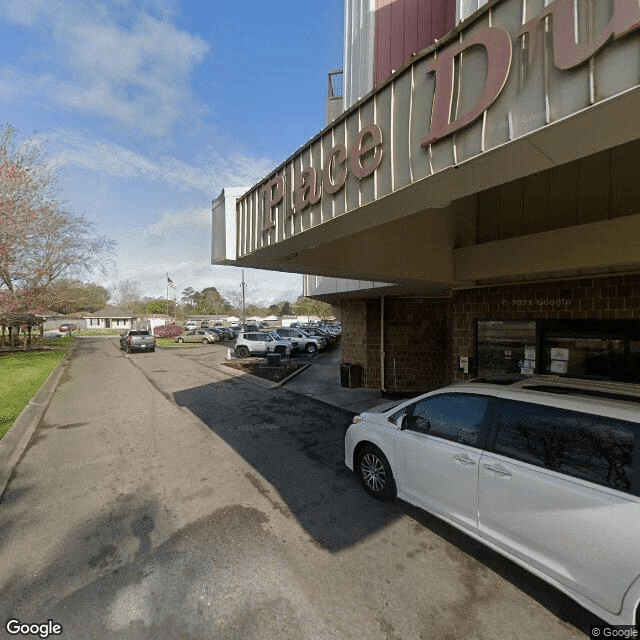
<point x="148" y="108"/>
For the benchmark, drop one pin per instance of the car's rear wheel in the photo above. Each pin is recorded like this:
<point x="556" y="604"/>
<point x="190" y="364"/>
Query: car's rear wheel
<point x="375" y="473"/>
<point x="181" y="340"/>
<point x="205" y="341"/>
<point x="311" y="347"/>
<point x="242" y="352"/>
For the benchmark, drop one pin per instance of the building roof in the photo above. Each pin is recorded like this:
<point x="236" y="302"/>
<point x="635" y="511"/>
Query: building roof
<point x="109" y="312"/>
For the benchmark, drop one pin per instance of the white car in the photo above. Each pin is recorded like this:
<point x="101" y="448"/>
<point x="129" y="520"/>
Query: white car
<point x="544" y="470"/>
<point x="303" y="340"/>
<point x="256" y="343"/>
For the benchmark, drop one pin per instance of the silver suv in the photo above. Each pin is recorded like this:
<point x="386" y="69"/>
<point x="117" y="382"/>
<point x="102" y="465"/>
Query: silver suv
<point x="256" y="343"/>
<point x="307" y="343"/>
<point x="545" y="470"/>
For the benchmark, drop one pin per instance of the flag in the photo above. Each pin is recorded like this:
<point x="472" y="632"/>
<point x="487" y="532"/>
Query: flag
<point x="170" y="282"/>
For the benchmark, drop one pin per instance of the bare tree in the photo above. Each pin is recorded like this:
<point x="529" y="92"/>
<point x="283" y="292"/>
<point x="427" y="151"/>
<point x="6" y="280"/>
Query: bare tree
<point x="234" y="297"/>
<point x="126" y="295"/>
<point x="41" y="240"/>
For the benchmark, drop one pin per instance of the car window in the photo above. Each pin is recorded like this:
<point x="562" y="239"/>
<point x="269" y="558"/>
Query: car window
<point x="458" y="417"/>
<point x="585" y="446"/>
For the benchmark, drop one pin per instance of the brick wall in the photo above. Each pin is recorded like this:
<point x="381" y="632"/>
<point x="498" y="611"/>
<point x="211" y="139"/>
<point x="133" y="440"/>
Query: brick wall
<point x="597" y="298"/>
<point x="416" y="341"/>
<point x="354" y="325"/>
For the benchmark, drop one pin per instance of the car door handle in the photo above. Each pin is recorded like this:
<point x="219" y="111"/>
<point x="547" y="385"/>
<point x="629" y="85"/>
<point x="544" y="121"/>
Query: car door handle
<point x="503" y="473"/>
<point x="464" y="458"/>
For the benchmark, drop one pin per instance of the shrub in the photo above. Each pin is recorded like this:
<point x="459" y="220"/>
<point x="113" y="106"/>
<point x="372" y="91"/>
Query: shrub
<point x="168" y="331"/>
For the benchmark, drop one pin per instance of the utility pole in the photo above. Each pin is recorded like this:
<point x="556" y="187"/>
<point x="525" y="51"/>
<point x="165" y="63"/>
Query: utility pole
<point x="244" y="286"/>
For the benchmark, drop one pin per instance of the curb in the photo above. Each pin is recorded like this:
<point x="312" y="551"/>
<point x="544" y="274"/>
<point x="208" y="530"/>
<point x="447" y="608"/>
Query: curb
<point x="15" y="441"/>
<point x="261" y="382"/>
<point x="293" y="375"/>
<point x="234" y="373"/>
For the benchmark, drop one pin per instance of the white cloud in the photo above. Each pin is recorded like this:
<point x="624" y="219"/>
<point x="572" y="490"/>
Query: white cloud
<point x="137" y="74"/>
<point x="195" y="220"/>
<point x="264" y="287"/>
<point x="214" y="171"/>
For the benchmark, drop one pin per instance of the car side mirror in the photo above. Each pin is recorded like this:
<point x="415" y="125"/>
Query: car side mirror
<point x="417" y="423"/>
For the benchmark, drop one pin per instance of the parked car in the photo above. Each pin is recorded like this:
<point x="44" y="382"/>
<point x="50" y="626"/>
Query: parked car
<point x="256" y="343"/>
<point x="137" y="340"/>
<point x="221" y="332"/>
<point x="191" y="324"/>
<point x="199" y="335"/>
<point x="204" y="324"/>
<point x="307" y="343"/>
<point x="545" y="470"/>
<point x="66" y="328"/>
<point x="330" y="338"/>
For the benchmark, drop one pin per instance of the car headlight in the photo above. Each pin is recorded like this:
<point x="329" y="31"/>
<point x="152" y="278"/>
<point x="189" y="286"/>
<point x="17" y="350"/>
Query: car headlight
<point x="356" y="419"/>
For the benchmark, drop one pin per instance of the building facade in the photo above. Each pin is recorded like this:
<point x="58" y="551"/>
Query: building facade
<point x="476" y="212"/>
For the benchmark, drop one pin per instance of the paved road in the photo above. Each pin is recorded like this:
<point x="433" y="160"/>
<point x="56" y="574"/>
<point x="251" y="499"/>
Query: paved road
<point x="160" y="498"/>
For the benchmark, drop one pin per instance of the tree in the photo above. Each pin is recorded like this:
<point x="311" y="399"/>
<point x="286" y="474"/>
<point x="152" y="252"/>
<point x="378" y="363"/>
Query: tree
<point x="309" y="307"/>
<point x="285" y="309"/>
<point x="234" y="297"/>
<point x="41" y="240"/>
<point x="188" y="296"/>
<point x="210" y="302"/>
<point x="71" y="296"/>
<point x="158" y="305"/>
<point x="126" y="294"/>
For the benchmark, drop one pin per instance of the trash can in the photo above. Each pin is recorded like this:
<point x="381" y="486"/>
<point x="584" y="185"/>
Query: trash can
<point x="350" y="375"/>
<point x="273" y="359"/>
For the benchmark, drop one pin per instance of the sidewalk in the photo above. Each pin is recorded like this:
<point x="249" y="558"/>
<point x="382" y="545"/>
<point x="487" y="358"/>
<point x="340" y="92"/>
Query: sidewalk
<point x="322" y="381"/>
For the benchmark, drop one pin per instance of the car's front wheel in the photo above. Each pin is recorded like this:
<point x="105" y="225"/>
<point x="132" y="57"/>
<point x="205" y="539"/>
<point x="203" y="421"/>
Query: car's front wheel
<point x="181" y="340"/>
<point x="242" y="352"/>
<point x="311" y="347"/>
<point x="205" y="341"/>
<point x="375" y="473"/>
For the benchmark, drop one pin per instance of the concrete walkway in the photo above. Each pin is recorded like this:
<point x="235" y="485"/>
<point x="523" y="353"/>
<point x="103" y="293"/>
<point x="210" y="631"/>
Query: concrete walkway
<point x="322" y="381"/>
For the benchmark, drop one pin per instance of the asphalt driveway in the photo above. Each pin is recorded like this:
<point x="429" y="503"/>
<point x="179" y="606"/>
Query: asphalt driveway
<point x="161" y="497"/>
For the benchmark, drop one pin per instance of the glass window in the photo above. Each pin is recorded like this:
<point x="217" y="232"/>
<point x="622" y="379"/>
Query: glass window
<point x="458" y="417"/>
<point x="592" y="357"/>
<point x="501" y="346"/>
<point x="590" y="447"/>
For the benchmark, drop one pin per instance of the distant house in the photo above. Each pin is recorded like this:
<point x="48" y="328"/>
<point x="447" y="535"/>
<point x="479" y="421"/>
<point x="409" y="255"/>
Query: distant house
<point x="152" y="320"/>
<point x="109" y="318"/>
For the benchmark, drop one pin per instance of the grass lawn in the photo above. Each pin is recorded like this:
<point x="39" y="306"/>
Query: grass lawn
<point x="98" y="332"/>
<point x="170" y="343"/>
<point x="22" y="374"/>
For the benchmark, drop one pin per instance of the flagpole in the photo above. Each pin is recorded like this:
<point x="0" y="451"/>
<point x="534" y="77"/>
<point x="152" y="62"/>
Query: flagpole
<point x="167" y="293"/>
